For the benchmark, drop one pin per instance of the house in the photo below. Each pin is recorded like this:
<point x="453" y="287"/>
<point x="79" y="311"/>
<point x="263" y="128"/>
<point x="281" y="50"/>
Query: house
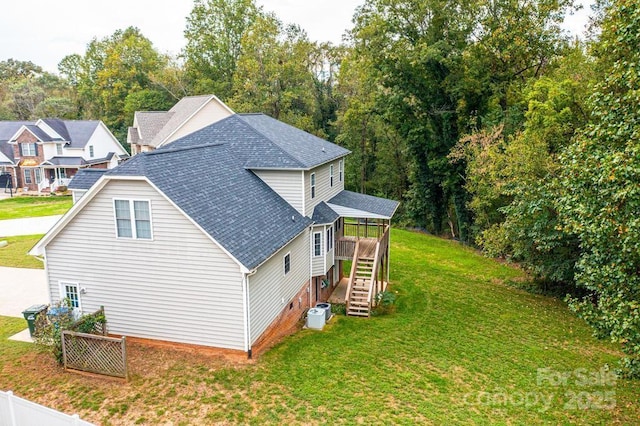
<point x="223" y="238"/>
<point x="154" y="129"/>
<point x="47" y="153"/>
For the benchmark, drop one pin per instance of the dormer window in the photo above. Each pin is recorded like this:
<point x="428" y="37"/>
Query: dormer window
<point x="29" y="149"/>
<point x="58" y="149"/>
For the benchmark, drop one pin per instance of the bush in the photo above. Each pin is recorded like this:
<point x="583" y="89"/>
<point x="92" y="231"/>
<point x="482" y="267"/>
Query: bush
<point x="385" y="303"/>
<point x="60" y="317"/>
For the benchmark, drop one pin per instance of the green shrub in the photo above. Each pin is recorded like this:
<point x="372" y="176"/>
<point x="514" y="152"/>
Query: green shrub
<point x="385" y="303"/>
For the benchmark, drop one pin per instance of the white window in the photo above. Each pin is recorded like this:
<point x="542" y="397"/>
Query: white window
<point x="331" y="175"/>
<point x="91" y="151"/>
<point x="317" y="243"/>
<point x="287" y="263"/>
<point x="313" y="185"/>
<point x="340" y="171"/>
<point x="133" y="219"/>
<point x="58" y="149"/>
<point x="71" y="292"/>
<point x="38" y="174"/>
<point x="329" y="238"/>
<point x="27" y="176"/>
<point x="29" y="149"/>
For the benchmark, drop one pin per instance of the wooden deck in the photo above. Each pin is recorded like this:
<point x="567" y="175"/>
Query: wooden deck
<point x="367" y="247"/>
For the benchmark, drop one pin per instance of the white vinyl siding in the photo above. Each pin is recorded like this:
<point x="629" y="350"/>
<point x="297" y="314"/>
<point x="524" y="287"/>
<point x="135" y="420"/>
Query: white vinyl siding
<point x="270" y="292"/>
<point x="317" y="262"/>
<point x="323" y="192"/>
<point x="180" y="287"/>
<point x="286" y="183"/>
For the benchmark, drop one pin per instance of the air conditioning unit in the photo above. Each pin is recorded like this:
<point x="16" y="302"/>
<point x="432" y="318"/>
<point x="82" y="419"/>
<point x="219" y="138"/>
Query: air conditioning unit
<point x="327" y="310"/>
<point x="316" y="318"/>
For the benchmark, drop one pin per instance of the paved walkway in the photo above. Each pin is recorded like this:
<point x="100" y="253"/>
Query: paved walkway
<point x="21" y="288"/>
<point x="27" y="226"/>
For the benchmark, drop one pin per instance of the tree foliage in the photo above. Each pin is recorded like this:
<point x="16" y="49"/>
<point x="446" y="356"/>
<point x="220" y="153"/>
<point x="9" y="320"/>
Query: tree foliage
<point x="602" y="201"/>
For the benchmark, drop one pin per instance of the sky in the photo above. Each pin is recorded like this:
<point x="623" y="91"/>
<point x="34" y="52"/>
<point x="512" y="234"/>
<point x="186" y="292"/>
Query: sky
<point x="45" y="31"/>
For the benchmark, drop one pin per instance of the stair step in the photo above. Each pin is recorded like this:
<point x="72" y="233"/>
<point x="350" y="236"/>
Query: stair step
<point x="359" y="314"/>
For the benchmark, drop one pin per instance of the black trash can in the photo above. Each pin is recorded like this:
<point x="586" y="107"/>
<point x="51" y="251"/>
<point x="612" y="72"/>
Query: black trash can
<point x="31" y="314"/>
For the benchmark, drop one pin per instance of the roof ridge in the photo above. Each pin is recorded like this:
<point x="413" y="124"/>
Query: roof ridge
<point x="256" y="131"/>
<point x="179" y="149"/>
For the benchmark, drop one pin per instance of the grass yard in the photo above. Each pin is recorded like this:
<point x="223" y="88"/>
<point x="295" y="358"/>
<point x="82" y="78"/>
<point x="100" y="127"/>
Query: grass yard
<point x="15" y="253"/>
<point x="464" y="347"/>
<point x="23" y="206"/>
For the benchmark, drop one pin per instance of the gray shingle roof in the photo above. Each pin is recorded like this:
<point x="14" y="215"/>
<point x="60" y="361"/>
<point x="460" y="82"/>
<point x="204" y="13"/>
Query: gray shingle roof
<point x="230" y="203"/>
<point x="262" y="142"/>
<point x="39" y="133"/>
<point x="177" y="115"/>
<point x="150" y="123"/>
<point x="80" y="131"/>
<point x="323" y="214"/>
<point x="367" y="203"/>
<point x="66" y="161"/>
<point x="132" y="135"/>
<point x="58" y="126"/>
<point x="85" y="178"/>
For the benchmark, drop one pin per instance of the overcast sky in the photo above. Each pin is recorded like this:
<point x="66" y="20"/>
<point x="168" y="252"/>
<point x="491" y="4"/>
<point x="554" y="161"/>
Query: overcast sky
<point x="45" y="31"/>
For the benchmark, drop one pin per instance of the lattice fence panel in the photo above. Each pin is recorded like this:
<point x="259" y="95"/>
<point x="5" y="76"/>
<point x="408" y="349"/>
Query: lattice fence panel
<point x="95" y="354"/>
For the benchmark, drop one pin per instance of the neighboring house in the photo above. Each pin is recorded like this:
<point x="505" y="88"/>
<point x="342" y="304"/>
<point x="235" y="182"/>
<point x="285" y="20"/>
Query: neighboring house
<point x="154" y="129"/>
<point x="223" y="238"/>
<point x="46" y="154"/>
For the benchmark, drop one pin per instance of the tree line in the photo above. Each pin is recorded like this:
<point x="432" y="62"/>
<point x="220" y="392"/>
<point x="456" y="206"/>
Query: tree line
<point x="491" y="124"/>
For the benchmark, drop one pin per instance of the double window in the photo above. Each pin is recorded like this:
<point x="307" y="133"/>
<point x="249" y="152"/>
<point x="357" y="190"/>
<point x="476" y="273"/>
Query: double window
<point x="29" y="149"/>
<point x="133" y="219"/>
<point x="313" y="185"/>
<point x="317" y="243"/>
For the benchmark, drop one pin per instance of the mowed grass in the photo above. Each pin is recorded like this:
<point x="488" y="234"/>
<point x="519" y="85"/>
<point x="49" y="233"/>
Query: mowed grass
<point x="463" y="347"/>
<point x="15" y="253"/>
<point x="24" y="206"/>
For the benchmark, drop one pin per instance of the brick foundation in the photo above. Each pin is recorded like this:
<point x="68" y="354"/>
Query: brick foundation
<point x="286" y="323"/>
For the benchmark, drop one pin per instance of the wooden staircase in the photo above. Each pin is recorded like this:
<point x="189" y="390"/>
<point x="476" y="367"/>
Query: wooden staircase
<point x="361" y="287"/>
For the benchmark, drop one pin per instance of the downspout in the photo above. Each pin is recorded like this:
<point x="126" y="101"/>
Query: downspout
<point x="247" y="311"/>
<point x="310" y="264"/>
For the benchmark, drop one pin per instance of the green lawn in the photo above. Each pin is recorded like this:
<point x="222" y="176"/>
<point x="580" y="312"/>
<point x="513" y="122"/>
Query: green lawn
<point x="464" y="347"/>
<point x="18" y="207"/>
<point x="15" y="253"/>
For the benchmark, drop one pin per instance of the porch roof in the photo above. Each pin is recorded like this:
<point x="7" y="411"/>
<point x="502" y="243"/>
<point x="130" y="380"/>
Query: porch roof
<point x="323" y="214"/>
<point x="64" y="161"/>
<point x="352" y="204"/>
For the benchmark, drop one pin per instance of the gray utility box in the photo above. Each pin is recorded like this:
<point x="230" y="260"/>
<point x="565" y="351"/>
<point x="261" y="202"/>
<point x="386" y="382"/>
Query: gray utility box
<point x="316" y="318"/>
<point x="327" y="310"/>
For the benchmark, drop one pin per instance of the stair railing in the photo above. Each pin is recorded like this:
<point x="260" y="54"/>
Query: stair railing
<point x="352" y="275"/>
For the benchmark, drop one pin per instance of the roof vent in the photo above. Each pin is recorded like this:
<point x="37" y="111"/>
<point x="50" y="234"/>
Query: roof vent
<point x="323" y="149"/>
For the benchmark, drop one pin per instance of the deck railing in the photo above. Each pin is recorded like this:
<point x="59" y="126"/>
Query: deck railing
<point x="345" y="248"/>
<point x="364" y="229"/>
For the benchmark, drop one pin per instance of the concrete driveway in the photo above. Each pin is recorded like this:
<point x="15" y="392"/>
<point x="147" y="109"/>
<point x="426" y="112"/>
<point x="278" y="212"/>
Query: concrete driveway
<point x="20" y="288"/>
<point x="27" y="226"/>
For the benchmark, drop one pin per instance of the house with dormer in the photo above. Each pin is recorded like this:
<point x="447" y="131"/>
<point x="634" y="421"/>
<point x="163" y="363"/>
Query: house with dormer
<point x="155" y="129"/>
<point x="45" y="154"/>
<point x="222" y="238"/>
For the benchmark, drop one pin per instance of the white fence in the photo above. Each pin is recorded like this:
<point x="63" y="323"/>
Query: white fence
<point x="15" y="411"/>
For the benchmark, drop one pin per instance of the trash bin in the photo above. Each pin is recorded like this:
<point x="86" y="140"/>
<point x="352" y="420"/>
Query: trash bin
<point x="31" y="314"/>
